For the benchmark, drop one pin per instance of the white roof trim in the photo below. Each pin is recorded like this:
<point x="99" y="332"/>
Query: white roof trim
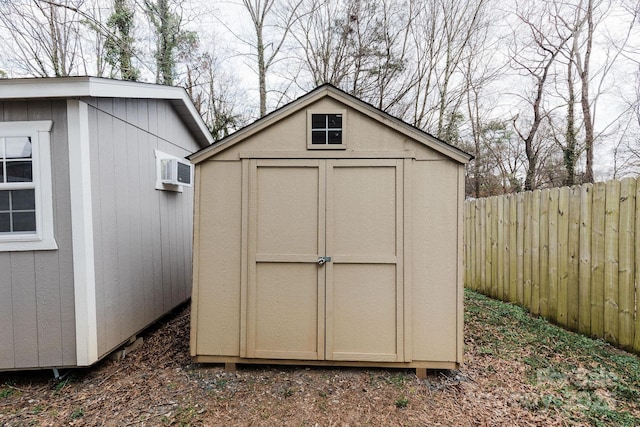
<point x="96" y="87"/>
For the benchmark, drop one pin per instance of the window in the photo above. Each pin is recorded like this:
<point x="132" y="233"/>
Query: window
<point x="26" y="213"/>
<point x="326" y="130"/>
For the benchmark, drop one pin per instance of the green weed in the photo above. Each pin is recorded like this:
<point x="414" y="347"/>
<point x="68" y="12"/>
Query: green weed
<point x="402" y="402"/>
<point x="586" y="379"/>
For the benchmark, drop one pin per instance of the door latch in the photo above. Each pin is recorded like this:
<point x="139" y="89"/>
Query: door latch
<point x="323" y="259"/>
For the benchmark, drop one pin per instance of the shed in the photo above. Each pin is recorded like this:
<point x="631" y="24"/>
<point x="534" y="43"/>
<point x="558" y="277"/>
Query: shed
<point x="329" y="233"/>
<point x="94" y="244"/>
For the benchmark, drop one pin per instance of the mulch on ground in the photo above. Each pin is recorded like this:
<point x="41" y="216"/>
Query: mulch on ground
<point x="159" y="385"/>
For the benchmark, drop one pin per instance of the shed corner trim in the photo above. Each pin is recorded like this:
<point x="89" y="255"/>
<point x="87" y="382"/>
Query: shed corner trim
<point x="84" y="283"/>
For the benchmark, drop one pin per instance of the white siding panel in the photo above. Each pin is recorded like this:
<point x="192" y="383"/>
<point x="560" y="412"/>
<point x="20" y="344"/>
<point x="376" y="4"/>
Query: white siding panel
<point x="147" y="258"/>
<point x="37" y="326"/>
<point x="47" y="277"/>
<point x="7" y="359"/>
<point x="23" y="296"/>
<point x="62" y="219"/>
<point x="96" y="153"/>
<point x="108" y="133"/>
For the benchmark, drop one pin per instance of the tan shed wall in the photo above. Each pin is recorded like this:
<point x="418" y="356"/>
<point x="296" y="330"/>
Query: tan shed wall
<point x="435" y="260"/>
<point x="215" y="326"/>
<point x="362" y="135"/>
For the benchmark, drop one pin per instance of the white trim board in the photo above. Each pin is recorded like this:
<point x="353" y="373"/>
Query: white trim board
<point x="84" y="281"/>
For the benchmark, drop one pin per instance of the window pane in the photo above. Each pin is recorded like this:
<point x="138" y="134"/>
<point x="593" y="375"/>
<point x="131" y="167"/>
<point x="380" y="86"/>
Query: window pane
<point x="4" y="200"/>
<point x="18" y="147"/>
<point x="23" y="200"/>
<point x="1" y="172"/>
<point x="19" y="171"/>
<point x="318" y="121"/>
<point x="335" y="137"/>
<point x="5" y="225"/>
<point x="335" y="121"/>
<point x="318" y="137"/>
<point x="24" y="221"/>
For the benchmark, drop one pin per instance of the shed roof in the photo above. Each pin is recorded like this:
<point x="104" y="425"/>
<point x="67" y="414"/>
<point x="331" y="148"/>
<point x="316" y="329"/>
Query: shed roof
<point x="97" y="87"/>
<point x="328" y="90"/>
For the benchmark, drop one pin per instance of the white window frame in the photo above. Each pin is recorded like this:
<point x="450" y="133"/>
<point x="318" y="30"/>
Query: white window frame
<point x="341" y="146"/>
<point x="43" y="238"/>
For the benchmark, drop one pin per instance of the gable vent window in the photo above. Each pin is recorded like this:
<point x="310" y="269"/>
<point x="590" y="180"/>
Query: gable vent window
<point x="326" y="130"/>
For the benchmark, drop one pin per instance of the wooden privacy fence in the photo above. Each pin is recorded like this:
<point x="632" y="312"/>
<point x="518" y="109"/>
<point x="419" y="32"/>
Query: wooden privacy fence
<point x="567" y="254"/>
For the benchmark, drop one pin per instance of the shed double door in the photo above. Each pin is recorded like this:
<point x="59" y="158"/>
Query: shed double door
<point x="324" y="253"/>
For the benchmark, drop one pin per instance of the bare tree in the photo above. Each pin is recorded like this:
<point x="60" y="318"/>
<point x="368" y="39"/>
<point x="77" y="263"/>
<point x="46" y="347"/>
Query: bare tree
<point x="278" y="18"/>
<point x="535" y="59"/>
<point x="45" y="38"/>
<point x="216" y="96"/>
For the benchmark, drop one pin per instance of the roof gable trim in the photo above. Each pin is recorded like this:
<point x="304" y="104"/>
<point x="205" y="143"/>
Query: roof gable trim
<point x="344" y="98"/>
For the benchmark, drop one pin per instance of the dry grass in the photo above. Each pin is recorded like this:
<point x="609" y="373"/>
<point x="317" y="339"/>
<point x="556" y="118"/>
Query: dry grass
<point x="514" y="374"/>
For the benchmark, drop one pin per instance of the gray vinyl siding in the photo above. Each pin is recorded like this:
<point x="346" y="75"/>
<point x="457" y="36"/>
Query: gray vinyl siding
<point x="142" y="236"/>
<point x="37" y="321"/>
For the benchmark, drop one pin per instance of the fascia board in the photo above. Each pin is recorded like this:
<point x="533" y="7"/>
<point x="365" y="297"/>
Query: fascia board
<point x="80" y="87"/>
<point x="257" y="126"/>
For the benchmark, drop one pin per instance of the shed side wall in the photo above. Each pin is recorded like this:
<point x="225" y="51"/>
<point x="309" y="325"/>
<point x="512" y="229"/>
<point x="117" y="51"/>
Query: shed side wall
<point x="436" y="257"/>
<point x="216" y="306"/>
<point x="143" y="236"/>
<point x="37" y="321"/>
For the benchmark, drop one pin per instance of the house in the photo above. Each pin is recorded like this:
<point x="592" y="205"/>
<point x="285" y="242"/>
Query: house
<point x="329" y="233"/>
<point x="95" y="232"/>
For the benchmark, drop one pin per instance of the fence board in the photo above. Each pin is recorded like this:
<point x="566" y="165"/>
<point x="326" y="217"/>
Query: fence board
<point x="519" y="207"/>
<point x="584" y="271"/>
<point x="513" y="256"/>
<point x="528" y="244"/>
<point x="573" y="278"/>
<point x="535" y="252"/>
<point x="544" y="253"/>
<point x="597" y="260"/>
<point x="562" y="308"/>
<point x="611" y="235"/>
<point x="494" y="247"/>
<point x="501" y="247"/>
<point x="552" y="251"/>
<point x="626" y="253"/>
<point x="567" y="254"/>
<point x="479" y="260"/>
<point x="485" y="253"/>
<point x="636" y="340"/>
<point x="467" y="256"/>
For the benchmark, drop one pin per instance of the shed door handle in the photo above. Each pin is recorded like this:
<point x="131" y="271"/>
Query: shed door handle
<point x="323" y="259"/>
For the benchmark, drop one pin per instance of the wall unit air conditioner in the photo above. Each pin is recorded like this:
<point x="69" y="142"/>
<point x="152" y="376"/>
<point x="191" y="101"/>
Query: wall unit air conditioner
<point x="176" y="172"/>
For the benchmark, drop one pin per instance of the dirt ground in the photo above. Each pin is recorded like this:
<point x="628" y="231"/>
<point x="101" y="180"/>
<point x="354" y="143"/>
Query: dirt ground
<point x="158" y="385"/>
